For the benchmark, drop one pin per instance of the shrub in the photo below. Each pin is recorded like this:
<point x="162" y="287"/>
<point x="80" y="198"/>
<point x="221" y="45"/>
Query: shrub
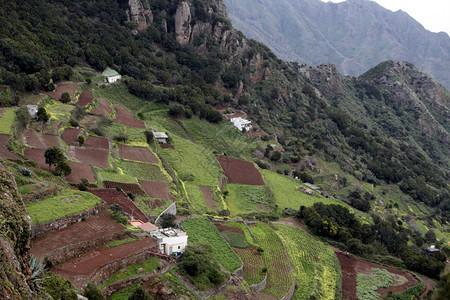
<point x="65" y="97"/>
<point x="81" y="140"/>
<point x="83" y="185"/>
<point x="121" y="137"/>
<point x="175" y="110"/>
<point x="92" y="292"/>
<point x="167" y="220"/>
<point x="24" y="171"/>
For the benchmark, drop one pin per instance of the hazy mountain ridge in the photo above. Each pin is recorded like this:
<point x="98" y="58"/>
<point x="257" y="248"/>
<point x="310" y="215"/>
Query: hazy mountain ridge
<point x="355" y="35"/>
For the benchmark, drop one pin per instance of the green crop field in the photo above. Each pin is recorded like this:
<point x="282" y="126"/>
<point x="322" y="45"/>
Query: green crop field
<point x="287" y="194"/>
<point x="316" y="268"/>
<point x="59" y="111"/>
<point x="7" y="120"/>
<point x="193" y="163"/>
<point x="114" y="176"/>
<point x="368" y="284"/>
<point x="280" y="278"/>
<point x="70" y="202"/>
<point x="253" y="265"/>
<point x="243" y="199"/>
<point x="142" y="171"/>
<point x="202" y="231"/>
<point x="136" y="136"/>
<point x="222" y="137"/>
<point x="118" y="94"/>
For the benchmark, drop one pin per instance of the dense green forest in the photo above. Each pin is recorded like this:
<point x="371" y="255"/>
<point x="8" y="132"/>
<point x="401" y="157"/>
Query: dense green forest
<point x="357" y="123"/>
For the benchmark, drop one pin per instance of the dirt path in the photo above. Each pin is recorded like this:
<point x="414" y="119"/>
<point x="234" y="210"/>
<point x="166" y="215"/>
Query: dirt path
<point x="430" y="286"/>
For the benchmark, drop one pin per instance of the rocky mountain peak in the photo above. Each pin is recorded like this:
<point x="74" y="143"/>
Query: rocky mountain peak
<point x="139" y="12"/>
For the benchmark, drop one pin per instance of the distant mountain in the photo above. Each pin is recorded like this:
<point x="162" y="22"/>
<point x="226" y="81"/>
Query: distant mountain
<point x="355" y="35"/>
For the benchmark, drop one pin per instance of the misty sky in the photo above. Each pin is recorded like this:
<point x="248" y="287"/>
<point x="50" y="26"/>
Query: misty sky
<point x="434" y="15"/>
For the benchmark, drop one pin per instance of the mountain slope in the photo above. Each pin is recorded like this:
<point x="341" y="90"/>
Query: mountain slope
<point x="355" y="35"/>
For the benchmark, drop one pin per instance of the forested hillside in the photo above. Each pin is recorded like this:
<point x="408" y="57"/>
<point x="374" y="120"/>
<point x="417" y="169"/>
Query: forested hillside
<point x="378" y="143"/>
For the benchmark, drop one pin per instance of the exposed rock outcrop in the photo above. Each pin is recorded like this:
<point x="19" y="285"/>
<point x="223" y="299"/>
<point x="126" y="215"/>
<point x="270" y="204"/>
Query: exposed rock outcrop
<point x="140" y="13"/>
<point x="183" y="23"/>
<point x="15" y="237"/>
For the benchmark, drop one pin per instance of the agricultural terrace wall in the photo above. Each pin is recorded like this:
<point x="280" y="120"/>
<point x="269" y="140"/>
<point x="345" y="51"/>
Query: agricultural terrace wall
<point x="258" y="287"/>
<point x="240" y="271"/>
<point x="110" y="289"/>
<point x="41" y="228"/>
<point x="291" y="292"/>
<point x="39" y="194"/>
<point x="107" y="270"/>
<point x="72" y="250"/>
<point x="171" y="210"/>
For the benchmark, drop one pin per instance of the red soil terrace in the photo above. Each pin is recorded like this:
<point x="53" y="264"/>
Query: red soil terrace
<point x="112" y="196"/>
<point x="126" y="187"/>
<point x="239" y="171"/>
<point x="70" y="135"/>
<point x="4" y="152"/>
<point x="123" y="116"/>
<point x="96" y="143"/>
<point x="80" y="170"/>
<point x="96" y="157"/>
<point x="85" y="98"/>
<point x="137" y="154"/>
<point x="157" y="190"/>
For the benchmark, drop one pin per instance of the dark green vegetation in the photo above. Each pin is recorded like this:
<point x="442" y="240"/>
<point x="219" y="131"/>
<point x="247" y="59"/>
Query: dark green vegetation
<point x="377" y="241"/>
<point x="346" y="34"/>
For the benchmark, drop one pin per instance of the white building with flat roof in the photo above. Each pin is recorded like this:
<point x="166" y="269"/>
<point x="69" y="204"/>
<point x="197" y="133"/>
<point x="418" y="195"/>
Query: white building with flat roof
<point x="170" y="240"/>
<point x="241" y="123"/>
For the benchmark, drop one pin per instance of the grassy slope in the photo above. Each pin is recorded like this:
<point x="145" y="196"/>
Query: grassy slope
<point x="53" y="207"/>
<point x="316" y="267"/>
<point x="243" y="199"/>
<point x="287" y="194"/>
<point x="7" y="120"/>
<point x="202" y="231"/>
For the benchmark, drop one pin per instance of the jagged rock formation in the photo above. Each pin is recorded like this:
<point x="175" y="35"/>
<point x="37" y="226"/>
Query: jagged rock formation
<point x="15" y="234"/>
<point x="183" y="23"/>
<point x="140" y="13"/>
<point x="355" y="35"/>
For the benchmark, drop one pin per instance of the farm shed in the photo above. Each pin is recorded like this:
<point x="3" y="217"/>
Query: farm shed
<point x="32" y="110"/>
<point x="170" y="240"/>
<point x="161" y="137"/>
<point x="241" y="123"/>
<point x="111" y="75"/>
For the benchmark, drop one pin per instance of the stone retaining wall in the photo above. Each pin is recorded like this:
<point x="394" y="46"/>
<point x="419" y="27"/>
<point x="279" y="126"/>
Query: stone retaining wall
<point x="105" y="271"/>
<point x="259" y="286"/>
<point x="41" y="228"/>
<point x="39" y="195"/>
<point x="171" y="210"/>
<point x="291" y="292"/>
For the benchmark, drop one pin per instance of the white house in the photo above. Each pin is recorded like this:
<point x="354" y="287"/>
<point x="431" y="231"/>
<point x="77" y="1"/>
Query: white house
<point x="161" y="137"/>
<point x="32" y="110"/>
<point x="111" y="75"/>
<point x="241" y="123"/>
<point x="170" y="240"/>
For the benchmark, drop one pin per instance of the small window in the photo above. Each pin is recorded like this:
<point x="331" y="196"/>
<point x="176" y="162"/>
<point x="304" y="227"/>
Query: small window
<point x="178" y="247"/>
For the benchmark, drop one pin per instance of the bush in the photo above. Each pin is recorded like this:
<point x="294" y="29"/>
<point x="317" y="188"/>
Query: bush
<point x="24" y="171"/>
<point x="81" y="140"/>
<point x="121" y="137"/>
<point x="83" y="185"/>
<point x="65" y="97"/>
<point x="175" y="110"/>
<point x="92" y="292"/>
<point x="167" y="220"/>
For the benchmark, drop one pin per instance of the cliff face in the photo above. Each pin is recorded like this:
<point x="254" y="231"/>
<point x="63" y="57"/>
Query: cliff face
<point x="355" y="35"/>
<point x="15" y="237"/>
<point x="140" y="13"/>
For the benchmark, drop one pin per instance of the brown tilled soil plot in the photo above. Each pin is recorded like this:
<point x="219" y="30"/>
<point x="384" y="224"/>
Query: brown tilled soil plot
<point x="50" y="140"/>
<point x="137" y="154"/>
<point x="123" y="116"/>
<point x="96" y="143"/>
<point x="4" y="152"/>
<point x="239" y="171"/>
<point x="80" y="170"/>
<point x="167" y="146"/>
<point x="112" y="196"/>
<point x="222" y="227"/>
<point x="96" y="157"/>
<point x="93" y="228"/>
<point x="70" y="135"/>
<point x="351" y="266"/>
<point x="31" y="139"/>
<point x="63" y="88"/>
<point x="78" y="268"/>
<point x="208" y="195"/>
<point x="38" y="156"/>
<point x="104" y="108"/>
<point x="126" y="187"/>
<point x="157" y="190"/>
<point x="85" y="98"/>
